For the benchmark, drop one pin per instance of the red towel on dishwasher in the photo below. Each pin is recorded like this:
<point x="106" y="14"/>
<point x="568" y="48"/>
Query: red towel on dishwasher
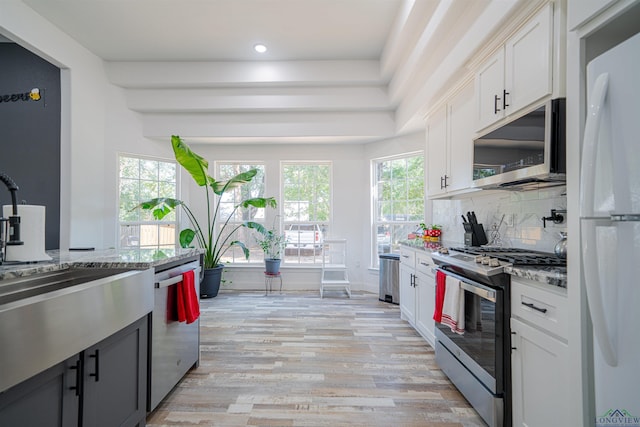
<point x="441" y="284"/>
<point x="187" y="305"/>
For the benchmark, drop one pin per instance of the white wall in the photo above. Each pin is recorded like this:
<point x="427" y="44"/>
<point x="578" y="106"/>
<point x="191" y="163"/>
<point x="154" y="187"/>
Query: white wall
<point x="84" y="90"/>
<point x="97" y="125"/>
<point x="349" y="204"/>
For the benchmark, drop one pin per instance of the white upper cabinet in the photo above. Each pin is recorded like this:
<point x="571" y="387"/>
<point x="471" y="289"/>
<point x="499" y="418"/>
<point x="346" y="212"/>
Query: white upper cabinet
<point x="437" y="152"/>
<point x="449" y="145"/>
<point x="519" y="73"/>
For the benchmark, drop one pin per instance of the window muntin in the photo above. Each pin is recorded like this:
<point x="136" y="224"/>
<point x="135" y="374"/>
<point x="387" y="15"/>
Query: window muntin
<point x="306" y="209"/>
<point x="398" y="202"/>
<point x="140" y="179"/>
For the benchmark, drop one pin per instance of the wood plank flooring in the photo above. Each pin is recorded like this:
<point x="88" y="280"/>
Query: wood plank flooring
<point x="293" y="359"/>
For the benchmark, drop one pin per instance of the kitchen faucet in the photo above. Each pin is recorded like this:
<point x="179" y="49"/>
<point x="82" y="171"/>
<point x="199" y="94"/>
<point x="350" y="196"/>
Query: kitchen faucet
<point x="9" y="235"/>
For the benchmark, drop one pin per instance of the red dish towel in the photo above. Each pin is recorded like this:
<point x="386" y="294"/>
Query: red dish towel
<point x="441" y="280"/>
<point x="187" y="304"/>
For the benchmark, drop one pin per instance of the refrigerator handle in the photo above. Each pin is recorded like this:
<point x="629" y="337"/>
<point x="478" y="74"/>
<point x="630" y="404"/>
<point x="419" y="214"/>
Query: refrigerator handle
<point x="599" y="318"/>
<point x="590" y="144"/>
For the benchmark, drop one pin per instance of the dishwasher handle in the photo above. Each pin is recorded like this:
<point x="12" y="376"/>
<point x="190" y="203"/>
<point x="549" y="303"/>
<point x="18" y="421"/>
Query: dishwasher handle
<point x="175" y="279"/>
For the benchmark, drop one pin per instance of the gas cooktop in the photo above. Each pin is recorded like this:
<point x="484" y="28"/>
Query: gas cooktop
<point x="515" y="256"/>
<point x="487" y="264"/>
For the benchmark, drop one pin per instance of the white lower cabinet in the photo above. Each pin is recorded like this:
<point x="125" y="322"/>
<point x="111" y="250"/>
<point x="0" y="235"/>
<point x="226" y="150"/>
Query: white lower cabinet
<point x="539" y="356"/>
<point x="417" y="292"/>
<point x="407" y="285"/>
<point x="425" y="297"/>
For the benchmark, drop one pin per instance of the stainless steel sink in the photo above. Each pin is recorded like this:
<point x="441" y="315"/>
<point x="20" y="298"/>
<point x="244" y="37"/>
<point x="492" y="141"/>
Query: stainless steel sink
<point x="48" y="317"/>
<point x="24" y="287"/>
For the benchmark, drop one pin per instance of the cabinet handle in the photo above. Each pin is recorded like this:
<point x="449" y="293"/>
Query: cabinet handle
<point x="504" y="99"/>
<point x="442" y="182"/>
<point x="96" y="374"/>
<point x="530" y="305"/>
<point x="445" y="181"/>
<point x="495" y="104"/>
<point x="78" y="386"/>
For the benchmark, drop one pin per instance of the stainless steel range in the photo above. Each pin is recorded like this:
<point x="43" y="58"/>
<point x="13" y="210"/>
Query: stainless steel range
<point x="478" y="361"/>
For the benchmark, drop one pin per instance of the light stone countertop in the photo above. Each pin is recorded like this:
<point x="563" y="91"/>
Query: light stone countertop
<point x="554" y="276"/>
<point x="135" y="259"/>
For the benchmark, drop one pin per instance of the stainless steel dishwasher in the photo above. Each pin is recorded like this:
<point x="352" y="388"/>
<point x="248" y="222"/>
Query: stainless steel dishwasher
<point x="174" y="346"/>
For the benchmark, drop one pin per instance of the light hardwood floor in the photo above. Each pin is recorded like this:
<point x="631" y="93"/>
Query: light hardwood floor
<point x="293" y="359"/>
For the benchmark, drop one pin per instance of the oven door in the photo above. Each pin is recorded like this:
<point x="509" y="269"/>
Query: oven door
<point x="480" y="348"/>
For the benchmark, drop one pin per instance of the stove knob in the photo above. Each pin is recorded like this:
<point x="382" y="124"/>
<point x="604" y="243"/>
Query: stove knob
<point x="485" y="260"/>
<point x="494" y="263"/>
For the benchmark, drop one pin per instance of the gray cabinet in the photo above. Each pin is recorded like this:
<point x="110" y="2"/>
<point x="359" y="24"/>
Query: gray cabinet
<point x="115" y="379"/>
<point x="108" y="380"/>
<point x="50" y="399"/>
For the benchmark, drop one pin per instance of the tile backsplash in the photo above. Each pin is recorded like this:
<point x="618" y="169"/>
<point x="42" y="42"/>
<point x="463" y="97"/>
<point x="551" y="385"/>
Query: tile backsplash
<point x="510" y="219"/>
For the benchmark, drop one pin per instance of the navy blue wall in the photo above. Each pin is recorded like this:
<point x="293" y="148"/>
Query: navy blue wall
<point x="30" y="132"/>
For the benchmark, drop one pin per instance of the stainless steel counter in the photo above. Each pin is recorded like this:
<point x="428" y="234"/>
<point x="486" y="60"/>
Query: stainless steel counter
<point x="52" y="310"/>
<point x="133" y="259"/>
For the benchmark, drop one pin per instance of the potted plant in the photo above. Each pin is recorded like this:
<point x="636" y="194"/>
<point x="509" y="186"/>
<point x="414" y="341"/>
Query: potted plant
<point x="215" y="238"/>
<point x="272" y="243"/>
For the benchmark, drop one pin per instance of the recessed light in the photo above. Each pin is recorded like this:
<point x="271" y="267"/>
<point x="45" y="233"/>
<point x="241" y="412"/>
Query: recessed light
<point x="260" y="48"/>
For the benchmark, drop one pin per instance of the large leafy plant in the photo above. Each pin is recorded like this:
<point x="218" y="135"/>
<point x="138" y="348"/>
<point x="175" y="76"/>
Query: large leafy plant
<point x="216" y="237"/>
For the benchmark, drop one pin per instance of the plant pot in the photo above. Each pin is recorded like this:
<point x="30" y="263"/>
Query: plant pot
<point x="272" y="265"/>
<point x="210" y="284"/>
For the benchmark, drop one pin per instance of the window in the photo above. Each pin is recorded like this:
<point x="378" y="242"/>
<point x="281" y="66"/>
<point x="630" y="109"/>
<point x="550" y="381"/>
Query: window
<point x="142" y="179"/>
<point x="398" y="189"/>
<point x="306" y="210"/>
<point x="255" y="188"/>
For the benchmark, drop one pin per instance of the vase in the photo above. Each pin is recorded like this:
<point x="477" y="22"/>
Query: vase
<point x="210" y="284"/>
<point x="272" y="265"/>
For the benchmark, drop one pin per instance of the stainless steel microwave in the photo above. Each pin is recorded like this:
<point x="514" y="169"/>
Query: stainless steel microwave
<point x="528" y="152"/>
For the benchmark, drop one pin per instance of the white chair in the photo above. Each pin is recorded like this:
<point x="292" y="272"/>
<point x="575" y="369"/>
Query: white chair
<point x="334" y="266"/>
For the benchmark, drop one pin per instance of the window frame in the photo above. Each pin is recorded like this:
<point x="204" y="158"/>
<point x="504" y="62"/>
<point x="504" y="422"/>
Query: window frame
<point x="256" y="254"/>
<point x="175" y="223"/>
<point x="409" y="224"/>
<point x="293" y="256"/>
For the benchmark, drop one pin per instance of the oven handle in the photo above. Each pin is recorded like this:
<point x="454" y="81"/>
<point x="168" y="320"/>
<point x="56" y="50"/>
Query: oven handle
<point x="175" y="279"/>
<point x="473" y="287"/>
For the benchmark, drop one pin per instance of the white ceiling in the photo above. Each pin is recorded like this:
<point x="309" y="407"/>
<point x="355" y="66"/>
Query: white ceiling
<point x="337" y="71"/>
<point x="224" y="30"/>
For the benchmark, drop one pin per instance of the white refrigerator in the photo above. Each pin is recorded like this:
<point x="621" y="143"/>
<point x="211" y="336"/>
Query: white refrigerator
<point x="610" y="230"/>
